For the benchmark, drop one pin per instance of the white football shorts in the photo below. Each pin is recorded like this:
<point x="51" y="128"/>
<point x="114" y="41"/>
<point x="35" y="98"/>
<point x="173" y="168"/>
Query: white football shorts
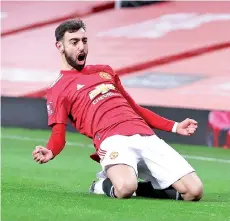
<point x="151" y="158"/>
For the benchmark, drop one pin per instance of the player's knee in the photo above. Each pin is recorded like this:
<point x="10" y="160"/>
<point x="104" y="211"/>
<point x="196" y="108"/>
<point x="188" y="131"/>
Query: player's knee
<point x="196" y="191"/>
<point x="190" y="186"/>
<point x="126" y="189"/>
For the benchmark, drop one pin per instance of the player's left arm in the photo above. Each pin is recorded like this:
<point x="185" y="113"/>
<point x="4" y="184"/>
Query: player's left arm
<point x="186" y="127"/>
<point x="58" y="109"/>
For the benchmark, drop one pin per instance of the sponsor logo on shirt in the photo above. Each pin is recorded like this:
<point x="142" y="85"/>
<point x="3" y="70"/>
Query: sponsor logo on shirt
<point x="102" y="97"/>
<point x="101" y="89"/>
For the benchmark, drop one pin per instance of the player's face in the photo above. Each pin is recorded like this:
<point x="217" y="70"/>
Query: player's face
<point x="75" y="48"/>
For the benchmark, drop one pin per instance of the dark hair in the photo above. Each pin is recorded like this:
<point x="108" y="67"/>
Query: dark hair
<point x="72" y="25"/>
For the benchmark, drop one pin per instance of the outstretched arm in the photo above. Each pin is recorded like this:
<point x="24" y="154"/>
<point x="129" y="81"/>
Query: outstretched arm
<point x="186" y="127"/>
<point x="151" y="118"/>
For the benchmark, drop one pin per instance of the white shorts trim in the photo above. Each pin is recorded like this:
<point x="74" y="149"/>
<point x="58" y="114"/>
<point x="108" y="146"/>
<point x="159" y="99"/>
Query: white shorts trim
<point x="152" y="159"/>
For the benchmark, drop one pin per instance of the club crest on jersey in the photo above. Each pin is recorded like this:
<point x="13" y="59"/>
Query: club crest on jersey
<point x="113" y="155"/>
<point x="105" y="75"/>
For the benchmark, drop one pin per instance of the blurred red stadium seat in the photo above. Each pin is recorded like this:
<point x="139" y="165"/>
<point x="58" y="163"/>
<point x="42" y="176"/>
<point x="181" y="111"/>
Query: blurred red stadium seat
<point x="206" y="83"/>
<point x="26" y="15"/>
<point x="219" y="129"/>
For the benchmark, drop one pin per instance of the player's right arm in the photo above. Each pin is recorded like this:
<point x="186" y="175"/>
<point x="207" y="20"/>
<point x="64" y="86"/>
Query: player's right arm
<point x="185" y="128"/>
<point x="58" y="111"/>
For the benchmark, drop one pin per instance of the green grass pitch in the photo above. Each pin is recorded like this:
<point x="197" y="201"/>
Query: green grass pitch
<point x="58" y="190"/>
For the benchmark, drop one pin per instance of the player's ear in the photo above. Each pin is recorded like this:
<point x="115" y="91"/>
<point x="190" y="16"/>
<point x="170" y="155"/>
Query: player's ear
<point x="59" y="46"/>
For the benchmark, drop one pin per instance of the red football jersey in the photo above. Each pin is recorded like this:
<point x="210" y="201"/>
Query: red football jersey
<point x="91" y="100"/>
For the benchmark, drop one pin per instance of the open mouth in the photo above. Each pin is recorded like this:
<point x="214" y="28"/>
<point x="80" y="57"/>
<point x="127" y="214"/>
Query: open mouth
<point x="81" y="57"/>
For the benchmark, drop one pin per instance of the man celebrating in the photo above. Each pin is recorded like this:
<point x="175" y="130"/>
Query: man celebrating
<point x="97" y="105"/>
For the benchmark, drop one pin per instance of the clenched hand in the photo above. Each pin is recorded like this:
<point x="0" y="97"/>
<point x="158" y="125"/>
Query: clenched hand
<point x="42" y="155"/>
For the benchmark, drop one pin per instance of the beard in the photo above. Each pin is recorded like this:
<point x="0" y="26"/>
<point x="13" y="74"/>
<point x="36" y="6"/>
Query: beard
<point x="73" y="63"/>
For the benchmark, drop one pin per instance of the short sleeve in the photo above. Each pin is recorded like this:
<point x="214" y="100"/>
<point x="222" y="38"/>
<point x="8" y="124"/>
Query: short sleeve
<point x="57" y="109"/>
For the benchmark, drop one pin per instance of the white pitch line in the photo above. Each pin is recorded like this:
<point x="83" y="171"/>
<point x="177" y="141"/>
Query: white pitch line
<point x="79" y="144"/>
<point x="11" y="137"/>
<point x="206" y="159"/>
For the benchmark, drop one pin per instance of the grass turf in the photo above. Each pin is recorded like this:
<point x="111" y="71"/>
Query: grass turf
<point x="58" y="190"/>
